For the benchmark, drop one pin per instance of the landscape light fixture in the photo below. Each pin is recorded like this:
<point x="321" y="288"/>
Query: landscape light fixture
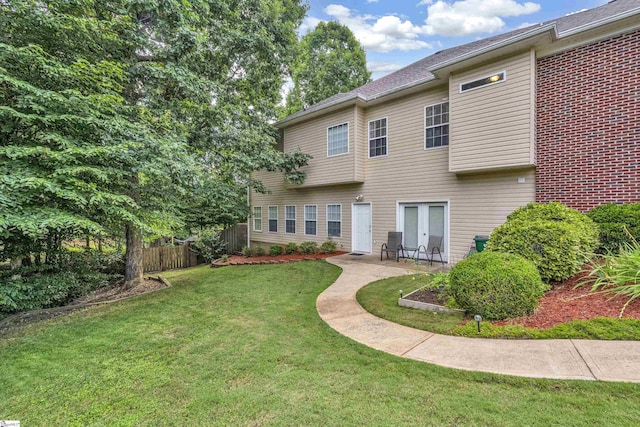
<point x="400" y="292"/>
<point x="478" y="319"/>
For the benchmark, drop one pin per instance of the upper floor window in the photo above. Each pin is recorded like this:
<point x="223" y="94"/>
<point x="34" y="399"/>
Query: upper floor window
<point x="290" y="219"/>
<point x="436" y="119"/>
<point x="257" y="218"/>
<point x="378" y="137"/>
<point x="489" y="80"/>
<point x="334" y="220"/>
<point x="310" y="220"/>
<point x="338" y="140"/>
<point x="273" y="219"/>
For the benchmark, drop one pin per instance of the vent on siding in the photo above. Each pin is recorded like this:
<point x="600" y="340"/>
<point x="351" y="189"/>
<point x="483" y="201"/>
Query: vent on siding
<point x="488" y="80"/>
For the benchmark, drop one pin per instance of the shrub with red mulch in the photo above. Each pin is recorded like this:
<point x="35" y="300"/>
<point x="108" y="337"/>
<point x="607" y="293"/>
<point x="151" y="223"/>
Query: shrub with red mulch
<point x="563" y="303"/>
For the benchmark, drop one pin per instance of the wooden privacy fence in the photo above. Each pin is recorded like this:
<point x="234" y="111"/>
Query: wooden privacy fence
<point x="235" y="237"/>
<point x="168" y="258"/>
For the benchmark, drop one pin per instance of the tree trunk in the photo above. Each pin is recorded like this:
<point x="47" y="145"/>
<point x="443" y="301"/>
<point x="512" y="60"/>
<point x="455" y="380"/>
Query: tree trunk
<point x="133" y="272"/>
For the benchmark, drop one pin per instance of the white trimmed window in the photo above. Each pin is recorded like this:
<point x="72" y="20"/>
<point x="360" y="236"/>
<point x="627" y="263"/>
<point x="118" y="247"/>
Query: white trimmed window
<point x="310" y="220"/>
<point x="257" y="218"/>
<point x="290" y="219"/>
<point x="273" y="219"/>
<point x="338" y="140"/>
<point x="334" y="220"/>
<point x="378" y="137"/>
<point x="436" y="118"/>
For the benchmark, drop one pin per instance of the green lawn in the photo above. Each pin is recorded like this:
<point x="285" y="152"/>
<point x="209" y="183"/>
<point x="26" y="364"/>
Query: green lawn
<point x="381" y="298"/>
<point x="245" y="346"/>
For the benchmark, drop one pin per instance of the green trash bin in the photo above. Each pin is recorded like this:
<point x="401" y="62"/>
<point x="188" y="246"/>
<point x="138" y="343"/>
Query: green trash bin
<point x="481" y="242"/>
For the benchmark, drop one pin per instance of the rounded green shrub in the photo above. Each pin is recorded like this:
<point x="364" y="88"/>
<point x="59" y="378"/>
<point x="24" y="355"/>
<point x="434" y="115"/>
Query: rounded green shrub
<point x="308" y="248"/>
<point x="275" y="250"/>
<point x="328" y="247"/>
<point x="247" y="251"/>
<point x="619" y="225"/>
<point x="259" y="251"/>
<point x="291" y="248"/>
<point x="496" y="285"/>
<point x="553" y="236"/>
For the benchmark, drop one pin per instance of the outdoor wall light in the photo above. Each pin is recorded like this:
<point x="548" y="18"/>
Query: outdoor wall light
<point x="359" y="198"/>
<point x="478" y="319"/>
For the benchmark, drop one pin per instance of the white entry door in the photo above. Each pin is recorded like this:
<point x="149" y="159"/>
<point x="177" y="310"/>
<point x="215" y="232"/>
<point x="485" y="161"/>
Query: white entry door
<point x="361" y="226"/>
<point x="419" y="221"/>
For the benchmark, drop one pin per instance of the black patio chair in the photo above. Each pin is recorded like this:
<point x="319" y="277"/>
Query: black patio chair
<point x="393" y="245"/>
<point x="433" y="248"/>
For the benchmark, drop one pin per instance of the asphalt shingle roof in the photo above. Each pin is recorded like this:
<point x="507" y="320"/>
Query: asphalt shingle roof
<point x="419" y="70"/>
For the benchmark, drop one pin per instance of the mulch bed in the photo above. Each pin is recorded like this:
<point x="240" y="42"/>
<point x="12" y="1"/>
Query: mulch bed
<point x="266" y="259"/>
<point x="429" y="296"/>
<point x="563" y="303"/>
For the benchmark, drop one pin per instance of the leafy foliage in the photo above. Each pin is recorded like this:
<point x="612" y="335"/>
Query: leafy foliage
<point x="328" y="247"/>
<point x="247" y="252"/>
<point x="275" y="250"/>
<point x="308" y="248"/>
<point x="210" y="244"/>
<point x="137" y="116"/>
<point x="291" y="248"/>
<point x="617" y="275"/>
<point x="259" y="251"/>
<point x="496" y="285"/>
<point x="553" y="236"/>
<point x="619" y="225"/>
<point x="330" y="61"/>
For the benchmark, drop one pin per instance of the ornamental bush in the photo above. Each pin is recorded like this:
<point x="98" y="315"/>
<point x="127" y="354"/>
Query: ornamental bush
<point x="291" y="248"/>
<point x="275" y="250"/>
<point x="308" y="248"/>
<point x="210" y="244"/>
<point x="328" y="247"/>
<point x="553" y="236"/>
<point x="496" y="285"/>
<point x="619" y="225"/>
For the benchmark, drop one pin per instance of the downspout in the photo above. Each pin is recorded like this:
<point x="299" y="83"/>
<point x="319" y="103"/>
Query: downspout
<point x="249" y="216"/>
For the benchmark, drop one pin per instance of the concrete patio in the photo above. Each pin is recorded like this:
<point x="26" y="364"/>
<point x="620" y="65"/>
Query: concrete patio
<point x="559" y="359"/>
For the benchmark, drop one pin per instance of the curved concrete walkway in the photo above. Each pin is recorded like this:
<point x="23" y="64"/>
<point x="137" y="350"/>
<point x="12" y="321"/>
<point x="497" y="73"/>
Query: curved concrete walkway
<point x="561" y="359"/>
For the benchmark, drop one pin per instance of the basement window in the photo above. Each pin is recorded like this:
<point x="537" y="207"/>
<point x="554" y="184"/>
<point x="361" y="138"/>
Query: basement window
<point x="485" y="81"/>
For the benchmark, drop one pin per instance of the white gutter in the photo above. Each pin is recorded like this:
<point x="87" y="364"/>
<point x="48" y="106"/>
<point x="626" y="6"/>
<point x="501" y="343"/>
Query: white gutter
<point x="249" y="216"/>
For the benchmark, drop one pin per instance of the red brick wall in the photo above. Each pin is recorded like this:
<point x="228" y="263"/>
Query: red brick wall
<point x="588" y="124"/>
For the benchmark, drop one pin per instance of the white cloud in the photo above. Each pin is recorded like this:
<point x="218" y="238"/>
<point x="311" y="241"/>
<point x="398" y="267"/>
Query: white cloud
<point x="381" y="67"/>
<point x="308" y="24"/>
<point x="467" y="17"/>
<point x="379" y="34"/>
<point x="424" y="3"/>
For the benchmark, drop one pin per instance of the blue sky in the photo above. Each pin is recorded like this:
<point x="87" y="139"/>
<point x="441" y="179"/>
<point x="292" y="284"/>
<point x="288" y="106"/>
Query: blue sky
<point x="395" y="33"/>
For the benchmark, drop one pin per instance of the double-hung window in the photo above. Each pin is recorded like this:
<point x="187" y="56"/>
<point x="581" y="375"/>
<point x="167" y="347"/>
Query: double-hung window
<point x="338" y="140"/>
<point x="436" y="119"/>
<point x="334" y="220"/>
<point x="257" y="218"/>
<point x="290" y="219"/>
<point x="378" y="137"/>
<point x="310" y="220"/>
<point x="273" y="219"/>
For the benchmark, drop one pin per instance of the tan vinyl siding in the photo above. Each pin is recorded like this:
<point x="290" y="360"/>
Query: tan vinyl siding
<point x="361" y="143"/>
<point x="311" y="138"/>
<point x="477" y="202"/>
<point x="491" y="126"/>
